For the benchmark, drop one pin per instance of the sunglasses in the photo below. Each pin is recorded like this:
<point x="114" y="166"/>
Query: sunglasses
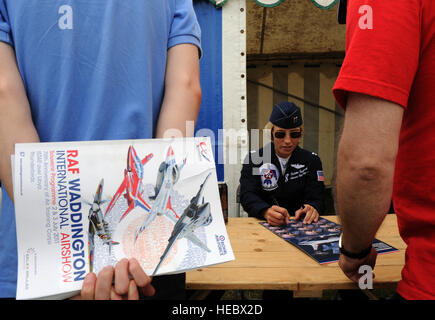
<point x="282" y="134"/>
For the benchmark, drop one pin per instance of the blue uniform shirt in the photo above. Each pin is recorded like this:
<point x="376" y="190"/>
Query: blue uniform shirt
<point x="92" y="70"/>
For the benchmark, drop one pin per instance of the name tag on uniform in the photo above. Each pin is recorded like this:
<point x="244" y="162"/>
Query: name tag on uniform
<point x="299" y="173"/>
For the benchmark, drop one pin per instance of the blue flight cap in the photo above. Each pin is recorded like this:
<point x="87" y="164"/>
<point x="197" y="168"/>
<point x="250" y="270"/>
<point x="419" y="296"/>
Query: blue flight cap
<point x="286" y="115"/>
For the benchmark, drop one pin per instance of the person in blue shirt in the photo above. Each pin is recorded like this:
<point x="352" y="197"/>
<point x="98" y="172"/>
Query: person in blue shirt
<point x="97" y="70"/>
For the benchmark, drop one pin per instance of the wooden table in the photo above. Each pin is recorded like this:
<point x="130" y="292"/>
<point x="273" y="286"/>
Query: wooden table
<point x="265" y="261"/>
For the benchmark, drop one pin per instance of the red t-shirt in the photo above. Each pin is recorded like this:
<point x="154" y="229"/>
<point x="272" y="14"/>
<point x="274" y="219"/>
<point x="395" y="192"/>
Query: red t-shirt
<point x="390" y="54"/>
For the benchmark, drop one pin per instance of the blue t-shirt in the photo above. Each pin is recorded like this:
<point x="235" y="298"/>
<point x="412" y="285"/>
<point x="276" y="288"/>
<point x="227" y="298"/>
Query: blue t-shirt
<point x="92" y="70"/>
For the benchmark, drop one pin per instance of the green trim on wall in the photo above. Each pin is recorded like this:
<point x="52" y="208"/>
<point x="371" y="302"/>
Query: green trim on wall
<point x="269" y="5"/>
<point x="324" y="7"/>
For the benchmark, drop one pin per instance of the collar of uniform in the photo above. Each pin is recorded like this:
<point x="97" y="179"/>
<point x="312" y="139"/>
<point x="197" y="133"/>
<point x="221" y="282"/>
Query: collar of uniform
<point x="270" y="149"/>
<point x="293" y="157"/>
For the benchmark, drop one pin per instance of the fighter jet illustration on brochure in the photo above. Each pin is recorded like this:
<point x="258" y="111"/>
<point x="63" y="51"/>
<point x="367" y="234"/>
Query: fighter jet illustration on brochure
<point x="196" y="215"/>
<point x="316" y="243"/>
<point x="168" y="175"/>
<point x="97" y="225"/>
<point x="132" y="186"/>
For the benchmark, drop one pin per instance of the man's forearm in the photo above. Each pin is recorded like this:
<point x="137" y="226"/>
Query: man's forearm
<point x="363" y="199"/>
<point x="15" y="118"/>
<point x="365" y="167"/>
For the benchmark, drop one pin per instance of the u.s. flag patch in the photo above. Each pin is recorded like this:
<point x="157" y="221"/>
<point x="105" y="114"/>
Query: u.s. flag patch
<point x="320" y="176"/>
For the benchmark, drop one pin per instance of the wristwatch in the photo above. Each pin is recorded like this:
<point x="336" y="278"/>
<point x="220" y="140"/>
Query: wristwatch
<point x="354" y="255"/>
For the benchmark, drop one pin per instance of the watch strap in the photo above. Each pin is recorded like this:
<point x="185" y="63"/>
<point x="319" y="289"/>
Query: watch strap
<point x="354" y="255"/>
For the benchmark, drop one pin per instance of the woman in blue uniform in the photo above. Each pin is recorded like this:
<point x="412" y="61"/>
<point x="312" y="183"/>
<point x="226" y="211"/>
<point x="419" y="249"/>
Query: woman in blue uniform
<point x="281" y="179"/>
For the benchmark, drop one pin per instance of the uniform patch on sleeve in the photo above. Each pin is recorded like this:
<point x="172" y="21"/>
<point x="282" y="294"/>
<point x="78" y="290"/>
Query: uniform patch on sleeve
<point x="269" y="176"/>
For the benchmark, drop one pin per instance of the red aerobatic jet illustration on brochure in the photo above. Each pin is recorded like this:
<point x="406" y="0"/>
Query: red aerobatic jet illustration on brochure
<point x="132" y="186"/>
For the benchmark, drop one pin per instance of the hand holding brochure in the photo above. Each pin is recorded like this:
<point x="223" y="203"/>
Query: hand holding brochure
<point x="81" y="206"/>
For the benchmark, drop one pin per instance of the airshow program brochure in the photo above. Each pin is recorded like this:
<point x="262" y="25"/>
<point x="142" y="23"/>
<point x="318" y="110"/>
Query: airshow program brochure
<point x="81" y="206"/>
<point x="319" y="240"/>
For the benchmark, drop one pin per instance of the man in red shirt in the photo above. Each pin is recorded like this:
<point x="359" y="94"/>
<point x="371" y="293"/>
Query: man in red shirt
<point x="387" y="148"/>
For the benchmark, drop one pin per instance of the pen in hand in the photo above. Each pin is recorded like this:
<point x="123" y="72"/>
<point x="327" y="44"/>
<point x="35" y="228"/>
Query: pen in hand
<point x="287" y="216"/>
